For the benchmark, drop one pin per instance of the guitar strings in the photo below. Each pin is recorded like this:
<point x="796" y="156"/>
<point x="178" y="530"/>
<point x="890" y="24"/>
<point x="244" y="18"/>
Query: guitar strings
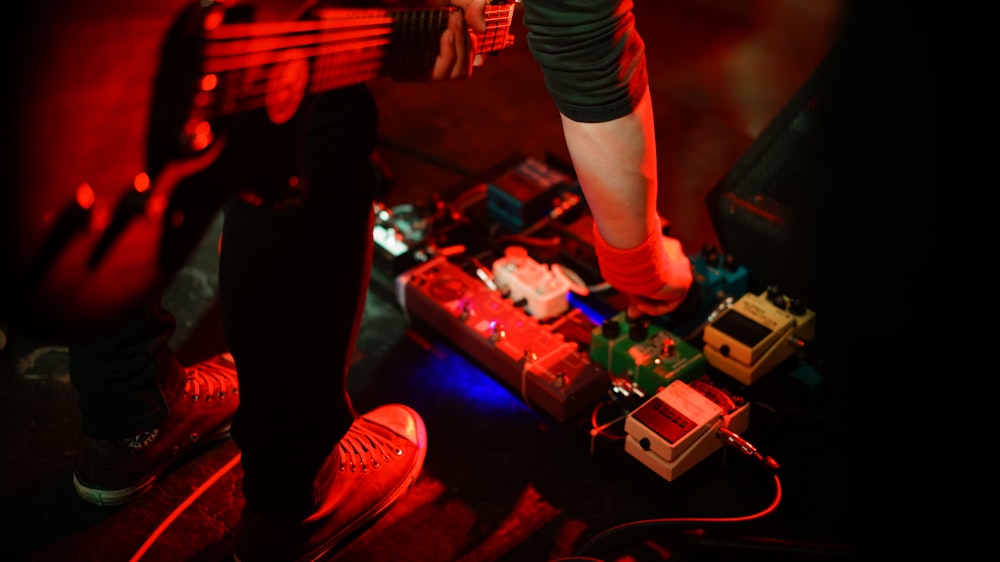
<point x="346" y="46"/>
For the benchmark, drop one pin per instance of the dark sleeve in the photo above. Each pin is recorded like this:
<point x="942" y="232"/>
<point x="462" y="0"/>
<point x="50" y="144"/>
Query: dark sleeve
<point x="591" y="56"/>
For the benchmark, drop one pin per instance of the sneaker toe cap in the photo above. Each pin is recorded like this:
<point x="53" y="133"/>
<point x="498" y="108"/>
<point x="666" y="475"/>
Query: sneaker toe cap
<point x="401" y="420"/>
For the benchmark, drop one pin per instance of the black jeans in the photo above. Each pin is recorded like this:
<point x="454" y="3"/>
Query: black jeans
<point x="293" y="281"/>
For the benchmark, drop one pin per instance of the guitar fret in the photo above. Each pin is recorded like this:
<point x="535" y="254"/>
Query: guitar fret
<point x="496" y="37"/>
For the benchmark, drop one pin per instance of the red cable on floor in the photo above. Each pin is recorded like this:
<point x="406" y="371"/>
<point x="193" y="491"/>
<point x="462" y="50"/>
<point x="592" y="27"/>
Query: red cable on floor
<point x="678" y="520"/>
<point x="180" y="509"/>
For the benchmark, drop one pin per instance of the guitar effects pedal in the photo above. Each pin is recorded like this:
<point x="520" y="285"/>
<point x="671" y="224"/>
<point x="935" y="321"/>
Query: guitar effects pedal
<point x="756" y="334"/>
<point x="677" y="428"/>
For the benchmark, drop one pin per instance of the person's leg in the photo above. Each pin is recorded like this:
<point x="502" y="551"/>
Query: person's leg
<point x="293" y="282"/>
<point x="141" y="412"/>
<point x="115" y="376"/>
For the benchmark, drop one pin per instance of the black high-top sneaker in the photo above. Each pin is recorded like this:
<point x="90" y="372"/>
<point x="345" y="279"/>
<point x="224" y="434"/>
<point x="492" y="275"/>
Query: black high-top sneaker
<point x="202" y="400"/>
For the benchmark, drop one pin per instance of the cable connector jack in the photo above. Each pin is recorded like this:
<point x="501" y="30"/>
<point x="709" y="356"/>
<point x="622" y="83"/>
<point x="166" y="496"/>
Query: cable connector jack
<point x="734" y="440"/>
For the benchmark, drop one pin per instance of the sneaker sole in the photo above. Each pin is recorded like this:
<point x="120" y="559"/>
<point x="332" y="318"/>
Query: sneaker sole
<point x="111" y="498"/>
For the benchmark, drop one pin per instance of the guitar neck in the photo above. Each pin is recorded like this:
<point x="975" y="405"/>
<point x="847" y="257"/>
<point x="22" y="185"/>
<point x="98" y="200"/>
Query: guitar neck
<point x="339" y="47"/>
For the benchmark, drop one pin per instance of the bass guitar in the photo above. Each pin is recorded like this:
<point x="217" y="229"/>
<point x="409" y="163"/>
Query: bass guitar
<point x="131" y="129"/>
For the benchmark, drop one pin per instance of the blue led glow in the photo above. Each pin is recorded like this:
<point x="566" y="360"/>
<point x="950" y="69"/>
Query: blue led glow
<point x="448" y="376"/>
<point x="576" y="301"/>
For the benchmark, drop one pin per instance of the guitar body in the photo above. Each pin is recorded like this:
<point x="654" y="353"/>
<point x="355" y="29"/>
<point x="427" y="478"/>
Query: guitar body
<point x="132" y="124"/>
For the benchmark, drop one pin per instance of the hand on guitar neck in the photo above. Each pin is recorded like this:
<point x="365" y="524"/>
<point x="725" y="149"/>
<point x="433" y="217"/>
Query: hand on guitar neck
<point x="476" y="28"/>
<point x="458" y="55"/>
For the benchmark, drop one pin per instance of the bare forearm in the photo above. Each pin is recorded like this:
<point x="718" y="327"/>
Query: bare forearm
<point x="615" y="162"/>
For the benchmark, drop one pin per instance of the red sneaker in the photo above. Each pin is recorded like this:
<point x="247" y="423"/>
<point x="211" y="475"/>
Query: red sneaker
<point x="375" y="464"/>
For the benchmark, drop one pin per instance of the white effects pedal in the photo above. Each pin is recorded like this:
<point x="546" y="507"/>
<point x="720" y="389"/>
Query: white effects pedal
<point x="542" y="289"/>
<point x="677" y="428"/>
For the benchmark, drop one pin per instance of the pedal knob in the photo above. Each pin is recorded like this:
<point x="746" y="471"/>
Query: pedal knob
<point x="669" y="347"/>
<point x="710" y="254"/>
<point x="517" y="254"/>
<point x="497" y="331"/>
<point x="796" y="307"/>
<point x="775" y="297"/>
<point x="638" y="329"/>
<point x="610" y="329"/>
<point x="729" y="263"/>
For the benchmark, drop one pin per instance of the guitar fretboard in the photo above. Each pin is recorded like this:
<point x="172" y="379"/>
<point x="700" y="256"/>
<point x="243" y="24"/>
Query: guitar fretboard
<point x="249" y="65"/>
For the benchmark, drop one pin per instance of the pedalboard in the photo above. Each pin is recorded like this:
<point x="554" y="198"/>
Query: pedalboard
<point x="757" y="333"/>
<point x="550" y="371"/>
<point x="678" y="427"/>
<point x="519" y="321"/>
